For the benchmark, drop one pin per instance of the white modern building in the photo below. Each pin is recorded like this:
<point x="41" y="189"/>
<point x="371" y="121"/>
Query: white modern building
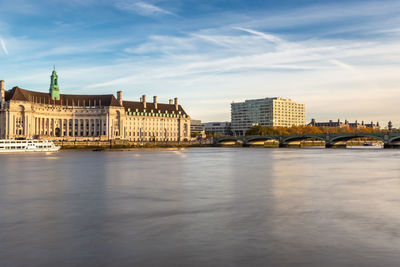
<point x="273" y="111"/>
<point x="197" y="127"/>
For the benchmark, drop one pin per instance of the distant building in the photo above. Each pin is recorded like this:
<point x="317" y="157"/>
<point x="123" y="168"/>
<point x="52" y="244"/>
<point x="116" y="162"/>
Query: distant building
<point x="390" y="125"/>
<point x="274" y="111"/>
<point x="345" y="124"/>
<point x="220" y="128"/>
<point x="197" y="127"/>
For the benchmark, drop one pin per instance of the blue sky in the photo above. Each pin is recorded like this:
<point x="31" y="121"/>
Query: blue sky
<point x="340" y="58"/>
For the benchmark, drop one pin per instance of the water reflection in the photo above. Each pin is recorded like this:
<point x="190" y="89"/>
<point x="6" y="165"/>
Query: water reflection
<point x="201" y="207"/>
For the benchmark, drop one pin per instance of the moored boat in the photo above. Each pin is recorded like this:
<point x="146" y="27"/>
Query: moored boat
<point x="367" y="145"/>
<point x="11" y="146"/>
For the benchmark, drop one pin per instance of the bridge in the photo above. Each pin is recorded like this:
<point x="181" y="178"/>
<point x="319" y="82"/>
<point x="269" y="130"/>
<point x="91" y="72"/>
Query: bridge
<point x="330" y="139"/>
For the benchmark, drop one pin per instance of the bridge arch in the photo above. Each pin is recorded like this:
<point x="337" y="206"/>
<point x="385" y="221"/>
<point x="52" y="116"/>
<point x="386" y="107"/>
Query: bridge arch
<point x="288" y="139"/>
<point x="226" y="139"/>
<point x="261" y="138"/>
<point x="352" y="136"/>
<point x="394" y="139"/>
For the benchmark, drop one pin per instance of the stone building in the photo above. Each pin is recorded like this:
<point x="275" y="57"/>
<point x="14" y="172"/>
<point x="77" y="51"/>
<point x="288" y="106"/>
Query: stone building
<point x="345" y="124"/>
<point x="26" y="114"/>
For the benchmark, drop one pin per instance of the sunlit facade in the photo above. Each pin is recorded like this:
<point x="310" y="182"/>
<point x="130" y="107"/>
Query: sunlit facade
<point x="26" y="114"/>
<point x="274" y="111"/>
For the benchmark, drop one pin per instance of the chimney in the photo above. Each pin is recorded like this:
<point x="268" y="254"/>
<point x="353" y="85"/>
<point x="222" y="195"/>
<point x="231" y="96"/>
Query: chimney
<point x="144" y="101"/>
<point x="176" y="103"/>
<point x="3" y="93"/>
<point x="171" y="102"/>
<point x="119" y="97"/>
<point x="155" y="102"/>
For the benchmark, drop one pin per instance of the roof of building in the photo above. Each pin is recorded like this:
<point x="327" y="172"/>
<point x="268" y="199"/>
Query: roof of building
<point x="133" y="106"/>
<point x="20" y="94"/>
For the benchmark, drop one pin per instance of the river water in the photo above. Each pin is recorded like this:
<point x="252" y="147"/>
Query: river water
<point x="201" y="207"/>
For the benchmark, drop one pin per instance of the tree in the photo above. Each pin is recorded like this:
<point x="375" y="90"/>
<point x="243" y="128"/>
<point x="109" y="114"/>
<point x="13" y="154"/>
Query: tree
<point x="306" y="129"/>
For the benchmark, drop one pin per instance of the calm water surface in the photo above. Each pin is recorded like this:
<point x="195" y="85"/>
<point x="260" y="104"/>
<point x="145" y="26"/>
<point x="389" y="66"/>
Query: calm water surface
<point x="201" y="207"/>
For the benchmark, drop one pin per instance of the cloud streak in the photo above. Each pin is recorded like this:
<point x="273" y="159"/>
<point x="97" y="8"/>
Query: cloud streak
<point x="143" y="8"/>
<point x="322" y="55"/>
<point x="269" y="37"/>
<point x="3" y="46"/>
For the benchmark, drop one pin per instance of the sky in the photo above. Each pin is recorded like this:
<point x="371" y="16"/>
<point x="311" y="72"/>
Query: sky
<point x="340" y="58"/>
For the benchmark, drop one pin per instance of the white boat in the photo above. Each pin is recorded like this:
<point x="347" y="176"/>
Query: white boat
<point x="367" y="145"/>
<point x="11" y="146"/>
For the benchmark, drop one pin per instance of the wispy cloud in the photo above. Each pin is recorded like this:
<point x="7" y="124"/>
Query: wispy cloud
<point x="3" y="46"/>
<point x="266" y="36"/>
<point x="319" y="54"/>
<point x="342" y="65"/>
<point x="142" y="8"/>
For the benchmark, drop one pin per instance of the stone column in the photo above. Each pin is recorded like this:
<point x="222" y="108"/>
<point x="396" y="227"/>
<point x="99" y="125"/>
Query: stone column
<point x="54" y="126"/>
<point x="73" y="126"/>
<point x="108" y="126"/>
<point x="61" y="121"/>
<point x="95" y="128"/>
<point x="87" y="127"/>
<point x="90" y="127"/>
<point x="101" y="125"/>
<point x="83" y="127"/>
<point x="13" y="126"/>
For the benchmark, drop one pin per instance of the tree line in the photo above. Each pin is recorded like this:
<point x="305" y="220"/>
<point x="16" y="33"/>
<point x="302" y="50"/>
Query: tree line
<point x="307" y="129"/>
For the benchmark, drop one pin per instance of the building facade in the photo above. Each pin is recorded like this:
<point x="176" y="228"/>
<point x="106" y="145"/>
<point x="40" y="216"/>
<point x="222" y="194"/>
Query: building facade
<point x="274" y="112"/>
<point x="218" y="128"/>
<point x="197" y="127"/>
<point x="26" y="114"/>
<point x="345" y="124"/>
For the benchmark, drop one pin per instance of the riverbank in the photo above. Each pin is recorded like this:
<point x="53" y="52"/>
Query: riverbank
<point x="122" y="144"/>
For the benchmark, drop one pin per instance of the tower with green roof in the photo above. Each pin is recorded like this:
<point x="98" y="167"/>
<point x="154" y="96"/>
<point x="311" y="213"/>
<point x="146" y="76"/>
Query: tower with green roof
<point x="54" y="89"/>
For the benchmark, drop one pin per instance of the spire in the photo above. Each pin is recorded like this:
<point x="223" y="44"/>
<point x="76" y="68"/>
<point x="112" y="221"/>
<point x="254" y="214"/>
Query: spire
<point x="54" y="88"/>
